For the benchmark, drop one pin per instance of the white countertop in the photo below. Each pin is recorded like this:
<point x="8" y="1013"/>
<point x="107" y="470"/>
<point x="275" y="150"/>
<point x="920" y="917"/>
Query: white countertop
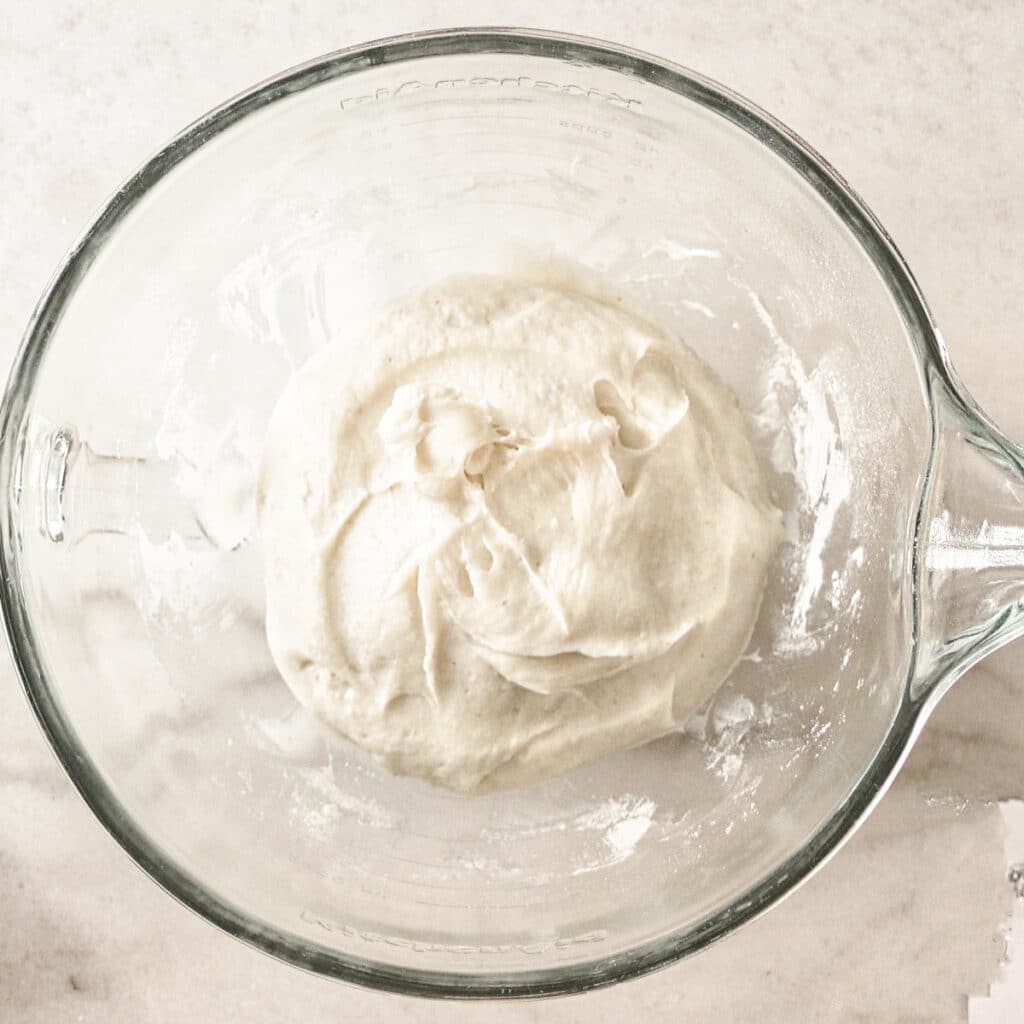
<point x="924" y="114"/>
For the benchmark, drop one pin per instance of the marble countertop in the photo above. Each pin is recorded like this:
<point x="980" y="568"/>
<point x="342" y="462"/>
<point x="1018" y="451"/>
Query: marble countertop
<point x="922" y="109"/>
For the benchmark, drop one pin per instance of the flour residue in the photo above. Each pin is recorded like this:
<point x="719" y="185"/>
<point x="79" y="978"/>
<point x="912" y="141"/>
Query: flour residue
<point x="699" y="307"/>
<point x="296" y="735"/>
<point x="319" y="804"/>
<point x="723" y="728"/>
<point x="204" y="493"/>
<point x="622" y="822"/>
<point x="216" y="470"/>
<point x="676" y="251"/>
<point x="798" y="411"/>
<point x="288" y="310"/>
<point x="183" y="582"/>
<point x="618" y="823"/>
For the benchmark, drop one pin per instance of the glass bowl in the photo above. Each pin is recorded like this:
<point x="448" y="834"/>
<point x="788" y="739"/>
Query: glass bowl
<point x="132" y="428"/>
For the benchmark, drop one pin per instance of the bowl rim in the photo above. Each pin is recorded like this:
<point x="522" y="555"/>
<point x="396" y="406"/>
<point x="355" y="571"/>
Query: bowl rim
<point x="83" y="773"/>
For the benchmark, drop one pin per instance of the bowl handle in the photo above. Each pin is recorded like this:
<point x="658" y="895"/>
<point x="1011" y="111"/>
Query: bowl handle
<point x="969" y="543"/>
<point x="86" y="492"/>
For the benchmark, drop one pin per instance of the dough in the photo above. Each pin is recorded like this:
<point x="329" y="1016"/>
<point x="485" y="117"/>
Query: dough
<point x="512" y="528"/>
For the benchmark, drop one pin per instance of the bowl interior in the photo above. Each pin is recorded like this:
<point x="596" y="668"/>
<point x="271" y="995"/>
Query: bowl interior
<point x="140" y="570"/>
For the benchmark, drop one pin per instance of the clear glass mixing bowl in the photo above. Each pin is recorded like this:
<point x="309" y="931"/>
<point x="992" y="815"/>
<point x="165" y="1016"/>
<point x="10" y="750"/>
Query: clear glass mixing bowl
<point x="132" y="577"/>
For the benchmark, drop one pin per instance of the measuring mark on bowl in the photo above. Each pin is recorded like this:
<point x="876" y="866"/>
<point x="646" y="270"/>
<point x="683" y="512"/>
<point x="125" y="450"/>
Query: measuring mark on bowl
<point x="415" y="85"/>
